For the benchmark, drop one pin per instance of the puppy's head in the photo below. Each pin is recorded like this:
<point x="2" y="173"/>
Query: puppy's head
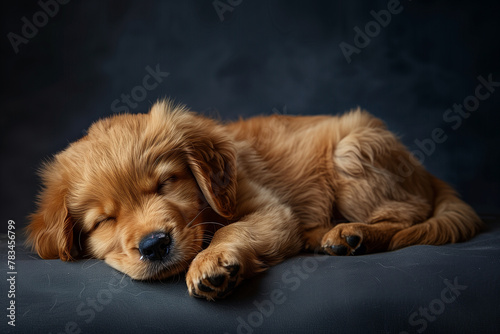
<point x="135" y="191"/>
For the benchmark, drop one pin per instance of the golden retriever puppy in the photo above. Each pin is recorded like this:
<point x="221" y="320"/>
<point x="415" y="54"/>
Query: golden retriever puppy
<point x="170" y="191"/>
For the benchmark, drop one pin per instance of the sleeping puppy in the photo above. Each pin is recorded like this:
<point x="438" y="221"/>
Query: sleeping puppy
<point x="170" y="191"/>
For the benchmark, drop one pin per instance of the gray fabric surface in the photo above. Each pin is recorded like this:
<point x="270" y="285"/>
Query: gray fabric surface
<point x="431" y="289"/>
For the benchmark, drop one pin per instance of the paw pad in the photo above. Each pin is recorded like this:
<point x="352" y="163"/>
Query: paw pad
<point x="216" y="285"/>
<point x="217" y="280"/>
<point x="344" y="245"/>
<point x="339" y="249"/>
<point x="204" y="288"/>
<point x="233" y="269"/>
<point x="353" y="240"/>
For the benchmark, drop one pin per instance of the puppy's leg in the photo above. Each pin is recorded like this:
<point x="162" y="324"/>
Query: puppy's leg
<point x="377" y="191"/>
<point x="376" y="234"/>
<point x="242" y="249"/>
<point x="360" y="238"/>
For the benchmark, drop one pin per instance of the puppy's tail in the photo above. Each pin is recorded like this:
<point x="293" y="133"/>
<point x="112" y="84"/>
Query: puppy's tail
<point x="452" y="221"/>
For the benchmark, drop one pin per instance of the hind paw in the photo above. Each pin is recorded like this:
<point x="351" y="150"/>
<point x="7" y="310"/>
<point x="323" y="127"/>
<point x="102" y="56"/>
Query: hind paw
<point x="344" y="239"/>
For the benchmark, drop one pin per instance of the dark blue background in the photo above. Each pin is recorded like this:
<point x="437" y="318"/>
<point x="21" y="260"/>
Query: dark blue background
<point x="265" y="57"/>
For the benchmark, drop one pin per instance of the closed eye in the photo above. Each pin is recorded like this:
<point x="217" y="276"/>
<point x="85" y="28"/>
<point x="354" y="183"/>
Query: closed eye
<point x="163" y="185"/>
<point x="103" y="221"/>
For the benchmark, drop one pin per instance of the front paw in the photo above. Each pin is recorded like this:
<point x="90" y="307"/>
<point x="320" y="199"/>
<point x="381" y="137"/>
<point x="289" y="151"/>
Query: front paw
<point x="213" y="274"/>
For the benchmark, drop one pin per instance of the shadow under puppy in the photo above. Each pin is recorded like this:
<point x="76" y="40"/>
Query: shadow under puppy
<point x="148" y="192"/>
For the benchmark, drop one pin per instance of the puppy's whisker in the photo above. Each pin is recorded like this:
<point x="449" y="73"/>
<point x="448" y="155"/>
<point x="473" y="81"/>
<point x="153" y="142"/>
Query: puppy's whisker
<point x="196" y="250"/>
<point x="80" y="239"/>
<point x="192" y="220"/>
<point x="204" y="240"/>
<point x="206" y="223"/>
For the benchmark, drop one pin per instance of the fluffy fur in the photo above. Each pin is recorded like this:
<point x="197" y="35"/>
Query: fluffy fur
<point x="257" y="191"/>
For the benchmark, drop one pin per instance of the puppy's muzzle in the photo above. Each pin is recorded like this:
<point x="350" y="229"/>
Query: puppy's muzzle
<point x="155" y="246"/>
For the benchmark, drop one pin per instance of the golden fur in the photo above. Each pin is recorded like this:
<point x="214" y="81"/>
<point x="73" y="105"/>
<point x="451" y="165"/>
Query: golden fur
<point x="277" y="185"/>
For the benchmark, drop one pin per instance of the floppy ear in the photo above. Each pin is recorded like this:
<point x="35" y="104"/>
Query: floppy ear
<point x="211" y="156"/>
<point x="50" y="231"/>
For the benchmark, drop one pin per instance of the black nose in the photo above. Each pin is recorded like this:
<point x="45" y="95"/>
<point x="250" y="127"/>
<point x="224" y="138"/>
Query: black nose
<point x="155" y="246"/>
